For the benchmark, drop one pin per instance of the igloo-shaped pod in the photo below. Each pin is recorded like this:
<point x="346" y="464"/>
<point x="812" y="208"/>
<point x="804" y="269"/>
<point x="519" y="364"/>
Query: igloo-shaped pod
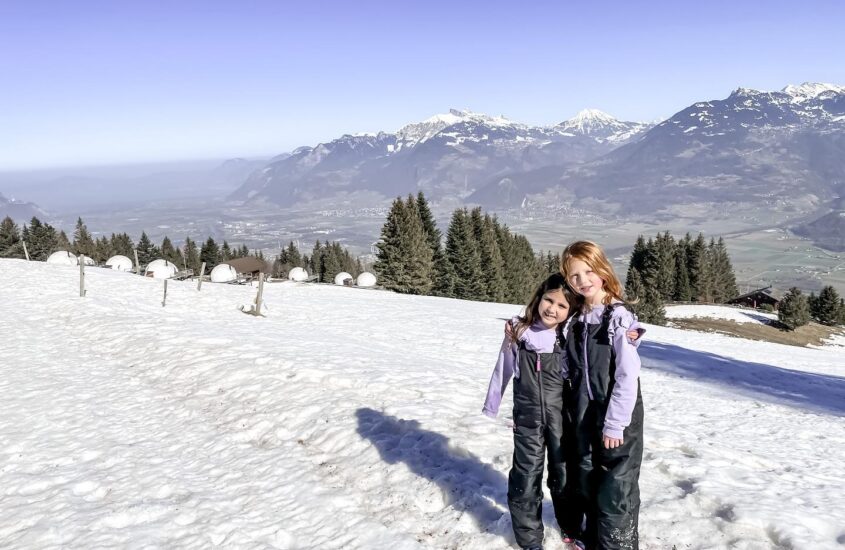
<point x="62" y="257"/>
<point x="119" y="263"/>
<point x="160" y="269"/>
<point x="366" y="279"/>
<point x="298" y="274"/>
<point x="341" y="278"/>
<point x="223" y="273"/>
<point x="87" y="260"/>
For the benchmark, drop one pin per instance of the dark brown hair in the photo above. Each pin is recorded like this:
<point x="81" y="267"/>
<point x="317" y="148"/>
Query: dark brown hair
<point x="554" y="282"/>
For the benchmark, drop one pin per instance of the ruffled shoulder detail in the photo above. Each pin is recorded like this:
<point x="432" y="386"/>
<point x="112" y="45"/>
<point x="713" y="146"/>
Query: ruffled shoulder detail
<point x="621" y="318"/>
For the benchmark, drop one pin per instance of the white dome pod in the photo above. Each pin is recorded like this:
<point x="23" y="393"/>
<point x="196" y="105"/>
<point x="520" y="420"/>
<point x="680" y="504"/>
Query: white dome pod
<point x="366" y="279"/>
<point x="223" y="273"/>
<point x="298" y="274"/>
<point x="62" y="257"/>
<point x="341" y="278"/>
<point x="119" y="263"/>
<point x="87" y="260"/>
<point x="160" y="269"/>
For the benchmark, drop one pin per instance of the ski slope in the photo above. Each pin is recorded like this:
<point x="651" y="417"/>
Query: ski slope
<point x="350" y="418"/>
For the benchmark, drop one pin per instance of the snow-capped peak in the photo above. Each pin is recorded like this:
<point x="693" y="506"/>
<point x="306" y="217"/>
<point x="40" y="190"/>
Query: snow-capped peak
<point x="418" y="132"/>
<point x="809" y="90"/>
<point x="592" y="116"/>
<point x="592" y="121"/>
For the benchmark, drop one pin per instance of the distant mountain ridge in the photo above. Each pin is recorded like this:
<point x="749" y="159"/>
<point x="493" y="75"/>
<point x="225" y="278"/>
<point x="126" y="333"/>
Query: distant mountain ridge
<point x="449" y="154"/>
<point x="753" y="146"/>
<point x="18" y="210"/>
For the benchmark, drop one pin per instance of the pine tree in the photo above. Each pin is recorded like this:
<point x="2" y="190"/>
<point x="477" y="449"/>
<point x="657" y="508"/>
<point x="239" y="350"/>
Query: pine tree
<point x="724" y="280"/>
<point x="683" y="291"/>
<point x="827" y="306"/>
<point x="210" y="254"/>
<point x="122" y="244"/>
<point x="316" y="259"/>
<point x="330" y="262"/>
<point x="62" y="242"/>
<point x="660" y="269"/>
<point x="11" y="245"/>
<point x="441" y="269"/>
<point x="462" y="254"/>
<point x="701" y="276"/>
<point x="644" y="301"/>
<point x="41" y="239"/>
<point x="192" y="256"/>
<point x="225" y="252"/>
<point x="83" y="243"/>
<point x="794" y="310"/>
<point x="171" y="253"/>
<point x="415" y="252"/>
<point x="147" y="251"/>
<point x="102" y="250"/>
<point x="389" y="265"/>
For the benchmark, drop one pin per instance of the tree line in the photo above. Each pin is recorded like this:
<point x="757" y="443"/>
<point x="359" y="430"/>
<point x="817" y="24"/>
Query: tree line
<point x="42" y="239"/>
<point x="481" y="260"/>
<point x="325" y="262"/>
<point x="663" y="269"/>
<point x="796" y="309"/>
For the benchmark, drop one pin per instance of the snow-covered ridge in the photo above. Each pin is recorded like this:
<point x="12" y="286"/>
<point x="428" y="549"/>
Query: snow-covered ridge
<point x="125" y="423"/>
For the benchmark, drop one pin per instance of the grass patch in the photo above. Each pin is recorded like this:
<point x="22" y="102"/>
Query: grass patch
<point x="813" y="333"/>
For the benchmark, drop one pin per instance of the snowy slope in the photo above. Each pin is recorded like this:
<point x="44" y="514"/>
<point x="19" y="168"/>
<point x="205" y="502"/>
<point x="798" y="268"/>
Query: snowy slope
<point x="350" y="418"/>
<point x="735" y="314"/>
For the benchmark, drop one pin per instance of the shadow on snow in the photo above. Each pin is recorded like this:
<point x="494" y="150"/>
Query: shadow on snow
<point x="807" y="390"/>
<point x="468" y="485"/>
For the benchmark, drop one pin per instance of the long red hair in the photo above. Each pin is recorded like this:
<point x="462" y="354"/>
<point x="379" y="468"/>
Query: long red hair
<point x="591" y="254"/>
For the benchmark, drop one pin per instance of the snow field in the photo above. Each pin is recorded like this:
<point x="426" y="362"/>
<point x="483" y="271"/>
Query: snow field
<point x="351" y="419"/>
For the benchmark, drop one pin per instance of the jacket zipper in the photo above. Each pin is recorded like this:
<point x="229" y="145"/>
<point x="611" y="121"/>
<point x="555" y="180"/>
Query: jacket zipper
<point x="540" y="382"/>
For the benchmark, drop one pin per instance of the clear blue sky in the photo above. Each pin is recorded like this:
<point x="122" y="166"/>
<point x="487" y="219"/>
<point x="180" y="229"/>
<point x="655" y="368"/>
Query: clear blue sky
<point x="109" y="82"/>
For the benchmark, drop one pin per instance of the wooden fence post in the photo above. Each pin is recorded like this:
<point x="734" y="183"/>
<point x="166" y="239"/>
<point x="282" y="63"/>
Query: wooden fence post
<point x="164" y="299"/>
<point x="137" y="265"/>
<point x="202" y="272"/>
<point x="260" y="293"/>
<point x="25" y="251"/>
<point x="81" y="276"/>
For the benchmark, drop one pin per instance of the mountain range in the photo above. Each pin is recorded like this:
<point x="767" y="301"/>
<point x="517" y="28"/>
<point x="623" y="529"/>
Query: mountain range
<point x="753" y="146"/>
<point x="21" y="212"/>
<point x="448" y="155"/>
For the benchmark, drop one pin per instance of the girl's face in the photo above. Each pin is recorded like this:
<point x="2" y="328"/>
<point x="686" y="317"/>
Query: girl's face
<point x="585" y="281"/>
<point x="553" y="308"/>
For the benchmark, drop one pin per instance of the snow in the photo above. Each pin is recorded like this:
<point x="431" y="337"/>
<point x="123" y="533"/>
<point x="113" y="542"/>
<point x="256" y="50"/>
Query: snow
<point x="160" y="269"/>
<point x="125" y="424"/>
<point x="119" y="262"/>
<point x="810" y="90"/>
<point x="735" y="314"/>
<point x="223" y="273"/>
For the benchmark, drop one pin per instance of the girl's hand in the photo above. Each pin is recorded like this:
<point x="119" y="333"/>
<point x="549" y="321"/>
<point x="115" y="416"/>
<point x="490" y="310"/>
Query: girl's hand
<point x="611" y="442"/>
<point x="633" y="335"/>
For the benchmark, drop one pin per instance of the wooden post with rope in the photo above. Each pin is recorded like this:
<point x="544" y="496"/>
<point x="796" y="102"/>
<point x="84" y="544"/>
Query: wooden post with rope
<point x="25" y="251"/>
<point x="255" y="309"/>
<point x="164" y="298"/>
<point x="137" y="264"/>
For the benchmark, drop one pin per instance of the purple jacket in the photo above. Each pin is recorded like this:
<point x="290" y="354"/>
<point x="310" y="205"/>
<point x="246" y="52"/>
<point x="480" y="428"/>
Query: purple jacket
<point x="624" y="395"/>
<point x="541" y="339"/>
<point x="537" y="338"/>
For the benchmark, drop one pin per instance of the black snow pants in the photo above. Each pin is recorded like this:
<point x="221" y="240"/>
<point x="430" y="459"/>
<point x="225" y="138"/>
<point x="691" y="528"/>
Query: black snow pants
<point x="603" y="483"/>
<point x="538" y="432"/>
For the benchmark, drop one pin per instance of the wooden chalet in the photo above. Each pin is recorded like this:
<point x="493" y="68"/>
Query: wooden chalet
<point x="757" y="298"/>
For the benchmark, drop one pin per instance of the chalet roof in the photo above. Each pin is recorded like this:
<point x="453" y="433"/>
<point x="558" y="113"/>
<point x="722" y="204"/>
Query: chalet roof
<point x="767" y="290"/>
<point x="249" y="264"/>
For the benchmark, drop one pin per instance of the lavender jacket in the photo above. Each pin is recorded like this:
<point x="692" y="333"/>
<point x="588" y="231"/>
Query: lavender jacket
<point x="541" y="339"/>
<point x="537" y="338"/>
<point x="624" y="394"/>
